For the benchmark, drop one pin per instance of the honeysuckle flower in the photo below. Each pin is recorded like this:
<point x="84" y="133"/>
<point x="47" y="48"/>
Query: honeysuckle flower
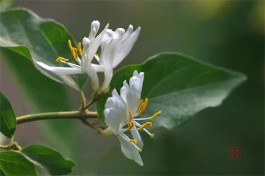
<point x="115" y="46"/>
<point x="121" y="115"/>
<point x="82" y="56"/>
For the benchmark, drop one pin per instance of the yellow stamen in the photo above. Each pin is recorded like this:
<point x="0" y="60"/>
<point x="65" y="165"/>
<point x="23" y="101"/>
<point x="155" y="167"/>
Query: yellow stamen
<point x="145" y="125"/>
<point x="131" y="116"/>
<point x="79" y="49"/>
<point x="155" y="115"/>
<point x="59" y="59"/>
<point x="142" y="106"/>
<point x="73" y="50"/>
<point x="145" y="104"/>
<point x="131" y="123"/>
<point x="134" y="141"/>
<point x="139" y="110"/>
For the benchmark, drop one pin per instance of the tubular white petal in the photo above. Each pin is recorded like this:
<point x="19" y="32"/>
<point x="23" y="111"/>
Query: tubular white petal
<point x="137" y="136"/>
<point x="112" y="117"/>
<point x="129" y="96"/>
<point x="130" y="151"/>
<point x="93" y="76"/>
<point x="85" y="43"/>
<point x="125" y="46"/>
<point x="129" y="31"/>
<point x="60" y="70"/>
<point x="108" y="73"/>
<point x="64" y="79"/>
<point x="94" y="29"/>
<point x="92" y="49"/>
<point x="115" y="112"/>
<point x="97" y="68"/>
<point x="136" y="83"/>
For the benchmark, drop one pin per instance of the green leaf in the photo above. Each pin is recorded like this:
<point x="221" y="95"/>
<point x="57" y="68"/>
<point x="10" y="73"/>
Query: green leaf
<point x="4" y="4"/>
<point x="50" y="159"/>
<point x="179" y="86"/>
<point x="45" y="39"/>
<point x="25" y="36"/>
<point x="14" y="163"/>
<point x="7" y="117"/>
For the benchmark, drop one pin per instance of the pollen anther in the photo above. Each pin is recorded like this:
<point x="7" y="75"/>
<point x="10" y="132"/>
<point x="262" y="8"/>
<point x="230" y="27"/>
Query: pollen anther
<point x="147" y="124"/>
<point x="131" y="123"/>
<point x="134" y="141"/>
<point x="79" y="49"/>
<point x="155" y="115"/>
<point x="142" y="106"/>
<point x="59" y="59"/>
<point x="73" y="50"/>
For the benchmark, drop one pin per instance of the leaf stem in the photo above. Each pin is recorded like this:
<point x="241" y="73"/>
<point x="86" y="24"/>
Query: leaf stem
<point x="83" y="99"/>
<point x="11" y="146"/>
<point x="57" y="115"/>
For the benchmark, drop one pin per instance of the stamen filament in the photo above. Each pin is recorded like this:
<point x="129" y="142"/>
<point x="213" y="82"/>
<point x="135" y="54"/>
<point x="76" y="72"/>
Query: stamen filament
<point x="140" y="119"/>
<point x="155" y="115"/>
<point x="152" y="135"/>
<point x="145" y="125"/>
<point x="59" y="59"/>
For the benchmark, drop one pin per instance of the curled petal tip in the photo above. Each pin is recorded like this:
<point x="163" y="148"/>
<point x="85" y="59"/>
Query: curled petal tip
<point x="95" y="24"/>
<point x="120" y="31"/>
<point x="85" y="42"/>
<point x="114" y="92"/>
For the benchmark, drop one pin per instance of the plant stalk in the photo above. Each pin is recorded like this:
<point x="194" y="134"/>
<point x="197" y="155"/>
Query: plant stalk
<point x="57" y="115"/>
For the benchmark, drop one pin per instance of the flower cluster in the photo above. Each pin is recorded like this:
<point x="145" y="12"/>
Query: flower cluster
<point x="114" y="47"/>
<point x="121" y="111"/>
<point x="121" y="115"/>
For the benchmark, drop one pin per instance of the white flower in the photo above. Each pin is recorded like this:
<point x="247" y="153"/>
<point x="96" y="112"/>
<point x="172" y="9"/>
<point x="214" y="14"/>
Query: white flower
<point x="121" y="113"/>
<point x="115" y="46"/>
<point x="83" y="57"/>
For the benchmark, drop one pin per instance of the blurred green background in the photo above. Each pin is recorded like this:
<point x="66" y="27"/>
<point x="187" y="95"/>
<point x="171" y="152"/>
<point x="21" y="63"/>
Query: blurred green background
<point x="226" y="33"/>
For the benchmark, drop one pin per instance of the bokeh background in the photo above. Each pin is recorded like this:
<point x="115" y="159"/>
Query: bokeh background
<point x="225" y="33"/>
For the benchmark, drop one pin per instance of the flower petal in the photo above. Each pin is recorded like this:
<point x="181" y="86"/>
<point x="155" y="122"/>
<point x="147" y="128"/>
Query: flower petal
<point x="136" y="84"/>
<point x="136" y="135"/>
<point x="60" y="70"/>
<point x="92" y="73"/>
<point x="116" y="113"/>
<point x="124" y="47"/>
<point x="64" y="79"/>
<point x="129" y="96"/>
<point x="130" y="151"/>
